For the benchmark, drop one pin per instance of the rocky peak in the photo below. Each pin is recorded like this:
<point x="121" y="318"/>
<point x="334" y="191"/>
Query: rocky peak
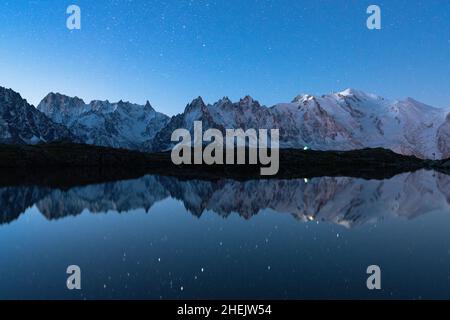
<point x="23" y="123"/>
<point x="224" y="103"/>
<point x="225" y="100"/>
<point x="196" y="104"/>
<point x="97" y="105"/>
<point x="302" y="98"/>
<point x="8" y="95"/>
<point x="248" y="102"/>
<point x="148" y="107"/>
<point x="53" y="98"/>
<point x="62" y="105"/>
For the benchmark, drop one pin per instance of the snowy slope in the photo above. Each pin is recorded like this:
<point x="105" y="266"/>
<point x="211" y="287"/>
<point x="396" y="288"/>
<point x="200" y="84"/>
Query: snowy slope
<point x="346" y="120"/>
<point x="118" y="125"/>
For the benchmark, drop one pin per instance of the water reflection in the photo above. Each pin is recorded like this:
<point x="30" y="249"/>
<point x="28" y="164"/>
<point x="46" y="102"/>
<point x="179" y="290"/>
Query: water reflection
<point x="339" y="200"/>
<point x="138" y="238"/>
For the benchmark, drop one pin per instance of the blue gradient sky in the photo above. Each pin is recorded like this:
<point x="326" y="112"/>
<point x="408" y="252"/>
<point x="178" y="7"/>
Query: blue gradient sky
<point x="172" y="51"/>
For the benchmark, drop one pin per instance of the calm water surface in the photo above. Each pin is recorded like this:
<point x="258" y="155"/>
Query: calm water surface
<point x="159" y="237"/>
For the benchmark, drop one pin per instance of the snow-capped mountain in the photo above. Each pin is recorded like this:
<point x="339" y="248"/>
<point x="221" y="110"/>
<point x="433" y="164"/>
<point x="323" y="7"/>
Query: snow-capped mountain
<point x="117" y="125"/>
<point x="21" y="123"/>
<point x="346" y="120"/>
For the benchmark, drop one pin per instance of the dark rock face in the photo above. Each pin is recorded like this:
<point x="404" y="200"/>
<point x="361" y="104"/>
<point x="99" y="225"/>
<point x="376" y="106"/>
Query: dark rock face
<point x="21" y="123"/>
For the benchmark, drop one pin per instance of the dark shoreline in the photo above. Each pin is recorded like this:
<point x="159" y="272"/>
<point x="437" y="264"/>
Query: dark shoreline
<point x="65" y="165"/>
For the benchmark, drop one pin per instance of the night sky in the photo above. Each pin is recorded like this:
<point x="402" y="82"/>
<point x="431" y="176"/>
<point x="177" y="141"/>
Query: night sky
<point x="169" y="52"/>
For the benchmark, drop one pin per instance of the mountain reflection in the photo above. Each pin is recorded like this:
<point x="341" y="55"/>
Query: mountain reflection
<point x="340" y="200"/>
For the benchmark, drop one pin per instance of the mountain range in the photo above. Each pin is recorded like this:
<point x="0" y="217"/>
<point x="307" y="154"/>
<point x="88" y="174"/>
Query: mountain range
<point x="118" y="125"/>
<point x="347" y="120"/>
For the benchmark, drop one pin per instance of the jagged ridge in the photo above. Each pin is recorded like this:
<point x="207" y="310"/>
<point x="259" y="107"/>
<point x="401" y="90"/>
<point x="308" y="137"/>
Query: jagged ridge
<point x="346" y="120"/>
